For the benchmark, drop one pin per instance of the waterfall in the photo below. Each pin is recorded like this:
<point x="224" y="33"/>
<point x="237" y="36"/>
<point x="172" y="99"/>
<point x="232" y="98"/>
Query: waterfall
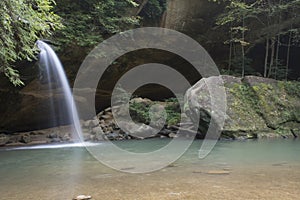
<point x="54" y="75"/>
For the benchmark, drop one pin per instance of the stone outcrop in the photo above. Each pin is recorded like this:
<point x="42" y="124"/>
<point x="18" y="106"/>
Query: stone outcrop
<point x="30" y="109"/>
<point x="105" y="126"/>
<point x="256" y="107"/>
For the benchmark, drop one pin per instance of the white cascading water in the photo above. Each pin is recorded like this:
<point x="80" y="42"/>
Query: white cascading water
<point x="56" y="77"/>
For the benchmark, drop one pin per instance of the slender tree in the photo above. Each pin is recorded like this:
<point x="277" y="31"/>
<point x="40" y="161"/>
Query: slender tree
<point x="261" y="21"/>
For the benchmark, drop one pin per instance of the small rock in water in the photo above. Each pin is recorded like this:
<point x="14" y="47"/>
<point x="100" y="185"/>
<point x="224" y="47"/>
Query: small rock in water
<point x="279" y="164"/>
<point x="25" y="138"/>
<point x="66" y="137"/>
<point x="172" y="135"/>
<point x="83" y="197"/>
<point x="218" y="172"/>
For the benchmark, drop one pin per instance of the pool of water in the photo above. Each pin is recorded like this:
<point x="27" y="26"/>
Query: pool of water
<point x="262" y="169"/>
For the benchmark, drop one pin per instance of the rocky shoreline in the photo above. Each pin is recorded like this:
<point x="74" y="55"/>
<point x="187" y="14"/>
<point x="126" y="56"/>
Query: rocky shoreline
<point x="256" y="108"/>
<point x="101" y="128"/>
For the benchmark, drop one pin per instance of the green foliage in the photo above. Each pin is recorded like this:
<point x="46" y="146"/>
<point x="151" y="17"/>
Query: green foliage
<point x="244" y="94"/>
<point x="237" y="65"/>
<point x="292" y="88"/>
<point x="254" y="22"/>
<point x="154" y="9"/>
<point x="139" y="111"/>
<point x="173" y="113"/>
<point x="279" y="72"/>
<point x="278" y="103"/>
<point x="22" y="23"/>
<point x="89" y="22"/>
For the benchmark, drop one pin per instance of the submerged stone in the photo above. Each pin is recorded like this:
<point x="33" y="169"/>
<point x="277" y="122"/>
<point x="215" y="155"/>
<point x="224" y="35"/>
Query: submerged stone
<point x="82" y="197"/>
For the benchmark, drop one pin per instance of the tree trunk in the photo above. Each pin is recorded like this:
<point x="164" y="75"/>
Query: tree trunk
<point x="277" y="56"/>
<point x="230" y="51"/>
<point x="266" y="57"/>
<point x="288" y="55"/>
<point x="272" y="57"/>
<point x="230" y="57"/>
<point x="243" y="64"/>
<point x="278" y="45"/>
<point x="144" y="2"/>
<point x="243" y="47"/>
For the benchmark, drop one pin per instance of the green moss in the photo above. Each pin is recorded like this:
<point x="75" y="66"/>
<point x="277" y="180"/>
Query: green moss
<point x="257" y="106"/>
<point x="244" y="97"/>
<point x="243" y="109"/>
<point x="173" y="113"/>
<point x="140" y="111"/>
<point x="278" y="102"/>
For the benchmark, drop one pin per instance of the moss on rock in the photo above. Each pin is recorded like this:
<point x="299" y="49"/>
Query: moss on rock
<point x="140" y="110"/>
<point x="255" y="106"/>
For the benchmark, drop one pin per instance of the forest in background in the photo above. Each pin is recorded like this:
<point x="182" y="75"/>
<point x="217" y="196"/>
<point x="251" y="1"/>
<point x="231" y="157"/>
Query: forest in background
<point x="268" y="29"/>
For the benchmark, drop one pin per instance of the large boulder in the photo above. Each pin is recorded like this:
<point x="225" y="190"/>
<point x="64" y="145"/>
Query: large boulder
<point x="256" y="107"/>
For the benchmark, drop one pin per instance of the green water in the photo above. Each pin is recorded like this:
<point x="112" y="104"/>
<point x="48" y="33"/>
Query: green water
<point x="42" y="173"/>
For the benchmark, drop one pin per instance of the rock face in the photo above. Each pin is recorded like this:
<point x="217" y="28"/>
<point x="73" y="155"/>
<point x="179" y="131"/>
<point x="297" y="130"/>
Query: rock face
<point x="185" y="15"/>
<point x="256" y="107"/>
<point x="29" y="108"/>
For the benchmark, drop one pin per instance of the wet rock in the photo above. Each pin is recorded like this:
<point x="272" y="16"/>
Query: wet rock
<point x="141" y="128"/>
<point x="93" y="123"/>
<point x="66" y="138"/>
<point x="97" y="131"/>
<point x="55" y="140"/>
<point x="172" y="135"/>
<point x="142" y="132"/>
<point x="53" y="135"/>
<point x="83" y="197"/>
<point x="96" y="138"/>
<point x="164" y="132"/>
<point x="15" y="144"/>
<point x="106" y="117"/>
<point x="296" y="133"/>
<point x="218" y="172"/>
<point x="107" y="109"/>
<point x="86" y="136"/>
<point x="112" y="136"/>
<point x="3" y="139"/>
<point x="173" y="128"/>
<point x="38" y="142"/>
<point x="279" y="164"/>
<point x="86" y="124"/>
<point x="37" y="133"/>
<point x="25" y="138"/>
